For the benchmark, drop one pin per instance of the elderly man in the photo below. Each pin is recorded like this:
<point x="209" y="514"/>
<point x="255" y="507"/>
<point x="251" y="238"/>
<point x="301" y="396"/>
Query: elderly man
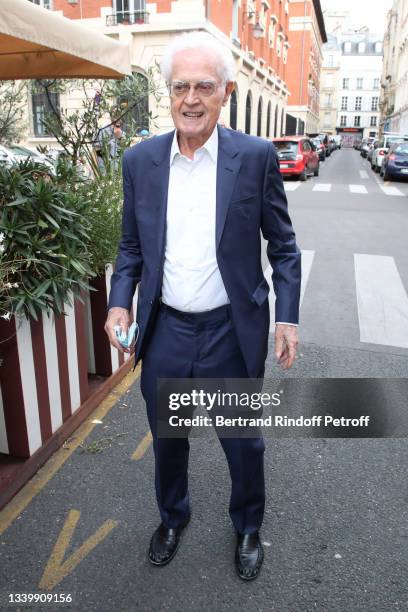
<point x="195" y="201"/>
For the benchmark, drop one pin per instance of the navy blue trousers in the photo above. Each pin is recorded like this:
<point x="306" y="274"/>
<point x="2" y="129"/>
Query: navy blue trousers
<point x="200" y="345"/>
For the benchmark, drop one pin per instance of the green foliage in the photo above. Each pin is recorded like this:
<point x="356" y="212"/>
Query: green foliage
<point x="103" y="199"/>
<point x="13" y="100"/>
<point x="45" y="238"/>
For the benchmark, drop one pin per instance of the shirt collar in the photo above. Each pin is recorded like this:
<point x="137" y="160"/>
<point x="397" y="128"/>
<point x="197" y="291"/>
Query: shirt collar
<point x="211" y="146"/>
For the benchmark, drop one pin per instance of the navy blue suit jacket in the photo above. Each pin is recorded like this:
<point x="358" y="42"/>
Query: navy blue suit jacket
<point x="250" y="198"/>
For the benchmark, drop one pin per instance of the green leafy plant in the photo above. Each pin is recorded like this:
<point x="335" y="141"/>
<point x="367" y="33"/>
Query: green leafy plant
<point x="102" y="198"/>
<point x="45" y="239"/>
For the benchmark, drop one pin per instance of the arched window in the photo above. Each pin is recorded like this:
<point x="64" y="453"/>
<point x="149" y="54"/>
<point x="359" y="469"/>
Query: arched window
<point x="275" y="130"/>
<point x="248" y="112"/>
<point x="233" y="110"/>
<point x="259" y="122"/>
<point x="45" y="105"/>
<point x="137" y="118"/>
<point x="268" y="120"/>
<point x="282" y="116"/>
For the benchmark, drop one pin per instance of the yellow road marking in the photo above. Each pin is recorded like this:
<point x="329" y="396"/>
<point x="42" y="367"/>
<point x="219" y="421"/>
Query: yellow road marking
<point x="143" y="446"/>
<point x="20" y="501"/>
<point x="57" y="568"/>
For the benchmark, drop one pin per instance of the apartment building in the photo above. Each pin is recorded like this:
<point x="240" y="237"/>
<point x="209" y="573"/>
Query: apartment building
<point x="306" y="36"/>
<point x="255" y="30"/>
<point x="394" y="78"/>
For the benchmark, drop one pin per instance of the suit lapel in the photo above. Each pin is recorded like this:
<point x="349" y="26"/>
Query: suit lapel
<point x="228" y="166"/>
<point x="159" y="185"/>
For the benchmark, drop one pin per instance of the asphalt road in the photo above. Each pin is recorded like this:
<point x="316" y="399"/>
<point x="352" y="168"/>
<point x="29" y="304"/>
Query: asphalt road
<point x="335" y="530"/>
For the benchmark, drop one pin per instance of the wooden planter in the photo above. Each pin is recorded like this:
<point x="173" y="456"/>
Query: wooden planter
<point x="43" y="377"/>
<point x="103" y="359"/>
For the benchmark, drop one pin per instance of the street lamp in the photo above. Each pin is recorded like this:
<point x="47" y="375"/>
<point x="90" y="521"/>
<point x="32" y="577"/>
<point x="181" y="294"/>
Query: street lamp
<point x="257" y="29"/>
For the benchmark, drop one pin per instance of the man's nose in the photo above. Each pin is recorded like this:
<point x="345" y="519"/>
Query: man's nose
<point x="191" y="96"/>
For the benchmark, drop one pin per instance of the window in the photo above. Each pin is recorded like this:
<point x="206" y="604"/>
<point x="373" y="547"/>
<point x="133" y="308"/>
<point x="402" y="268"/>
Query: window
<point x="374" y="104"/>
<point x="361" y="47"/>
<point x="233" y="110"/>
<point x="357" y="119"/>
<point x="343" y="120"/>
<point x="378" y="46"/>
<point x="344" y="103"/>
<point x="248" y="112"/>
<point x="235" y="13"/>
<point x="129" y="10"/>
<point x="327" y="117"/>
<point x="373" y="121"/>
<point x="44" y="3"/>
<point x="376" y="84"/>
<point x="268" y="120"/>
<point x="137" y="118"/>
<point x="347" y="47"/>
<point x="359" y="83"/>
<point x="331" y="61"/>
<point x="358" y="103"/>
<point x="259" y="122"/>
<point x="275" y="131"/>
<point x="329" y="80"/>
<point x="43" y="104"/>
<point x="346" y="83"/>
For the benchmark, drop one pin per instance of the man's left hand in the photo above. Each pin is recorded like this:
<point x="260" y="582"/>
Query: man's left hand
<point x="286" y="341"/>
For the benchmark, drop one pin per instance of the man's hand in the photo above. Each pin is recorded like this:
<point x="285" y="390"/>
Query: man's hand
<point x="117" y="316"/>
<point x="286" y="341"/>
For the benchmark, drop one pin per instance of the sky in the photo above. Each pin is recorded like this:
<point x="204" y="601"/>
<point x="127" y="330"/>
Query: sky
<point x="363" y="12"/>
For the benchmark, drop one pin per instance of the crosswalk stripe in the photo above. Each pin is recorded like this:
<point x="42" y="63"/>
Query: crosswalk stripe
<point x="291" y="186"/>
<point x="392" y="191"/>
<point x="357" y="189"/>
<point x="363" y="174"/>
<point x="382" y="301"/>
<point x="322" y="187"/>
<point x="307" y="261"/>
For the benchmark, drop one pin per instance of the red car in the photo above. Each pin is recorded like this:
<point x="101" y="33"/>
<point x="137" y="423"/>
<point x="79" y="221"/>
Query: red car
<point x="297" y="156"/>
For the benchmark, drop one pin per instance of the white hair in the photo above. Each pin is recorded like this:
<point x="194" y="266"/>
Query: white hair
<point x="199" y="40"/>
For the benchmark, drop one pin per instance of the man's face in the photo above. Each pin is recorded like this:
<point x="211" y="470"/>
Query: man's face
<point x="195" y="115"/>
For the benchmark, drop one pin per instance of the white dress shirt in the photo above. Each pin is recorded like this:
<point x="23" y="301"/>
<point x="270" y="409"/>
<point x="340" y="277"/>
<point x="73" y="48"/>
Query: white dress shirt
<point x="192" y="281"/>
<point x="191" y="278"/>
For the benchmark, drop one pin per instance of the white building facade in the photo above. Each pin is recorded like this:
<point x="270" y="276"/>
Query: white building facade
<point x="359" y="87"/>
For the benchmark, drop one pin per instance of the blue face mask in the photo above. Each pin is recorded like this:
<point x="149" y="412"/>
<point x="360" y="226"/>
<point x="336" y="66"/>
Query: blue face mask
<point x="127" y="340"/>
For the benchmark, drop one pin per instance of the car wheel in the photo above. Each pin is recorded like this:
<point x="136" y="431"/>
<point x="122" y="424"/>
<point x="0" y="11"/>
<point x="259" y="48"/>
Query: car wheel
<point x="316" y="172"/>
<point x="376" y="169"/>
<point x="385" y="175"/>
<point x="303" y="176"/>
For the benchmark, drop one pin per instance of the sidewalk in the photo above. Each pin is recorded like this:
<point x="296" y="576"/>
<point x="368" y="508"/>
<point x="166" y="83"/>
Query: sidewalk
<point x="335" y="530"/>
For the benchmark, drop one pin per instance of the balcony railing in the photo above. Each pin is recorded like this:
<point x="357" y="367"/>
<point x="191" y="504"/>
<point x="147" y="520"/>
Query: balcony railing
<point x="127" y="18"/>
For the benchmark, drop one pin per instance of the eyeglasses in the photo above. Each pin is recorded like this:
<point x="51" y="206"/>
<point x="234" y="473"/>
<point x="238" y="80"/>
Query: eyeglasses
<point x="205" y="89"/>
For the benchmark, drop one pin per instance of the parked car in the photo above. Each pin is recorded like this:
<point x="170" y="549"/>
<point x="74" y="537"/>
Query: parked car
<point x="320" y="148"/>
<point x="337" y="139"/>
<point x="297" y="156"/>
<point x="22" y="153"/>
<point x="6" y="156"/>
<point x="395" y="164"/>
<point x="383" y="146"/>
<point x="365" y="145"/>
<point x="370" y="151"/>
<point x="357" y="144"/>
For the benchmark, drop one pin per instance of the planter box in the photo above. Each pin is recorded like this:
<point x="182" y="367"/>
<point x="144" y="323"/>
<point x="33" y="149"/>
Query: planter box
<point x="43" y="377"/>
<point x="103" y="359"/>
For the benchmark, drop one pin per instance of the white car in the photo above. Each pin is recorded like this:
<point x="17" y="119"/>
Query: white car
<point x="382" y="148"/>
<point x="6" y="156"/>
<point x="22" y="153"/>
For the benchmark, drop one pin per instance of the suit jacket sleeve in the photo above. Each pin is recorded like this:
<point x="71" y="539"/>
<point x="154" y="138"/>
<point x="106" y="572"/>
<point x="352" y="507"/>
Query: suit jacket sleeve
<point x="129" y="263"/>
<point x="283" y="253"/>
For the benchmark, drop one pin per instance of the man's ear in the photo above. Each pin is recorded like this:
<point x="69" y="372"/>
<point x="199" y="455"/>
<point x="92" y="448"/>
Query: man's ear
<point x="229" y="88"/>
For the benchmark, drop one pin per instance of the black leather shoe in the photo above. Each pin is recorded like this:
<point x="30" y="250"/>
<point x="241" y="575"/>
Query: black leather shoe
<point x="164" y="544"/>
<point x="248" y="555"/>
